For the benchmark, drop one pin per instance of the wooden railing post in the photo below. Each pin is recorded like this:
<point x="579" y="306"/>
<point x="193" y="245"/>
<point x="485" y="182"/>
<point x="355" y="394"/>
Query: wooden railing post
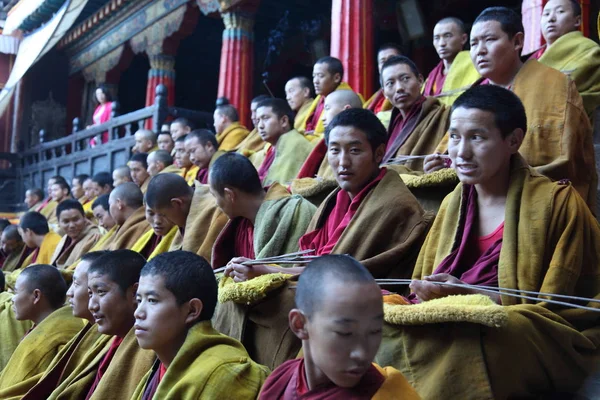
<point x="161" y="110"/>
<point x="76" y="127"/>
<point x="114" y="113"/>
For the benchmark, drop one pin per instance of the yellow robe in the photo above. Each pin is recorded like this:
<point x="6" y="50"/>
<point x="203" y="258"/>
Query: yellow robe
<point x="12" y="261"/>
<point x="550" y="244"/>
<point x="87" y="208"/>
<point x="131" y="230"/>
<point x="12" y="330"/>
<point x="49" y="210"/>
<point x="232" y="136"/>
<point x="87" y="240"/>
<point x="163" y="246"/>
<point x="172" y="169"/>
<point x="387" y="106"/>
<point x="302" y="115"/>
<point x="190" y="174"/>
<point x="461" y="76"/>
<point x="36" y="351"/>
<point x="320" y="128"/>
<point x="209" y="365"/>
<point x="145" y="184"/>
<point x="252" y="144"/>
<point x="578" y="57"/>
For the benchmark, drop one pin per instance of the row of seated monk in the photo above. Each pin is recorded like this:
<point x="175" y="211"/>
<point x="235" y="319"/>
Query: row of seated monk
<point x="150" y="317"/>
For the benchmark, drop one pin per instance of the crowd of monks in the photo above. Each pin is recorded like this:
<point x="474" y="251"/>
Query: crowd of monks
<point x="421" y="244"/>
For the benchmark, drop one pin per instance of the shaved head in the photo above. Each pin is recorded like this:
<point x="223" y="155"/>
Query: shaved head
<point x="164" y="187"/>
<point x="345" y="98"/>
<point x="146" y="135"/>
<point x="48" y="280"/>
<point x="129" y="193"/>
<point x="122" y="172"/>
<point x="11" y="232"/>
<point x="453" y="20"/>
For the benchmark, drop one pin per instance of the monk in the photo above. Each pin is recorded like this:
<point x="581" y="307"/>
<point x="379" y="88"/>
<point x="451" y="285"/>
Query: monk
<point x="34" y="198"/>
<point x="12" y="249"/>
<point x="568" y="51"/>
<point x="101" y="210"/>
<point x="504" y="226"/>
<point x="61" y="191"/>
<point x="189" y="171"/>
<point x="253" y="142"/>
<point x="102" y="183"/>
<point x="559" y="141"/>
<point x="77" y="189"/>
<point x="328" y="73"/>
<point x="80" y="234"/>
<point x="418" y="124"/>
<point x="194" y="360"/>
<point x="165" y="142"/>
<point x="12" y="330"/>
<point x="145" y="141"/>
<point x="160" y="161"/>
<point x="39" y="297"/>
<point x="138" y="164"/>
<point x="48" y="206"/>
<point x="38" y="237"/>
<point x="121" y="175"/>
<point x="339" y="318"/>
<point x="180" y="127"/>
<point x="378" y="102"/>
<point x="202" y="148"/>
<point x="4" y="223"/>
<point x="286" y="149"/>
<point x="126" y="205"/>
<point x="298" y="94"/>
<point x="230" y="133"/>
<point x="159" y="238"/>
<point x="193" y="210"/>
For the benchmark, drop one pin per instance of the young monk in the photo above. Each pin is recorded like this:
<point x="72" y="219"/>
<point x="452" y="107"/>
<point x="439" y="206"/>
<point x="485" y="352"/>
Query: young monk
<point x="180" y="127"/>
<point x="189" y="171"/>
<point x="193" y="210"/>
<point x="160" y="161"/>
<point x="378" y="102"/>
<point x="121" y="175"/>
<point x="298" y="94"/>
<point x="77" y="189"/>
<point x="80" y="234"/>
<point x="505" y="225"/>
<point x="202" y="148"/>
<point x="159" y="238"/>
<point x="230" y="133"/>
<point x="61" y="191"/>
<point x="39" y="297"/>
<point x="339" y="318"/>
<point x="286" y="149"/>
<point x="176" y="298"/>
<point x="36" y="235"/>
<point x="102" y="183"/>
<point x="126" y="205"/>
<point x="138" y="164"/>
<point x="101" y="210"/>
<point x="253" y="142"/>
<point x="165" y="142"/>
<point x="48" y="206"/>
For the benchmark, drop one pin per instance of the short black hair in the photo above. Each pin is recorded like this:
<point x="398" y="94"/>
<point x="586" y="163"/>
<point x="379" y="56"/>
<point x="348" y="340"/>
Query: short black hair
<point x="164" y="187"/>
<point x="183" y="122"/>
<point x="103" y="179"/>
<point x="221" y="101"/>
<point x="305" y="83"/>
<point x="181" y="138"/>
<point x="141" y="158"/>
<point x="280" y="108"/>
<point x="509" y="112"/>
<point x="63" y="185"/>
<point x="576" y="8"/>
<point x="235" y="171"/>
<point x="363" y="120"/>
<point x="48" y="280"/>
<point x="400" y="60"/>
<point x="57" y="178"/>
<point x="37" y="192"/>
<point x="129" y="193"/>
<point x="81" y="178"/>
<point x="123" y="267"/>
<point x="188" y="276"/>
<point x="453" y="20"/>
<point x="102" y="201"/>
<point x="204" y="137"/>
<point x="162" y="156"/>
<point x="11" y="232"/>
<point x="69" y="204"/>
<point x="334" y="65"/>
<point x="4" y="223"/>
<point x="510" y="21"/>
<point x="311" y="286"/>
<point x="389" y="46"/>
<point x="93" y="256"/>
<point x="34" y="221"/>
<point x="260" y="98"/>
<point x="229" y="111"/>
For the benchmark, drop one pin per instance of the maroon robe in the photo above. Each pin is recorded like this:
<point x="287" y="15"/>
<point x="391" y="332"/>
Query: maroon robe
<point x="235" y="240"/>
<point x="401" y="128"/>
<point x="313" y="119"/>
<point x="435" y="81"/>
<point x="105" y="364"/>
<point x="263" y="170"/>
<point x="313" y="161"/>
<point x="202" y="176"/>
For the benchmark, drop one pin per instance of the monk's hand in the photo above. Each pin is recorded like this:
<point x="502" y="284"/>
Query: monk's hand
<point x="433" y="162"/>
<point x="426" y="290"/>
<point x="241" y="273"/>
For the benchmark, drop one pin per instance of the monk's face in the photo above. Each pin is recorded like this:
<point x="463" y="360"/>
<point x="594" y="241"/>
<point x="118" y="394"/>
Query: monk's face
<point x="24" y="300"/>
<point x="493" y="53"/>
<point x="295" y="94"/>
<point x="165" y="142"/>
<point x="325" y="82"/>
<point x="103" y="217"/>
<point x="401" y="86"/>
<point x="154" y="167"/>
<point x="31" y="199"/>
<point x="178" y="130"/>
<point x="448" y="40"/>
<point x="270" y="126"/>
<point x="182" y="159"/>
<point x="160" y="323"/>
<point x="352" y="159"/>
<point x="72" y="222"/>
<point x="220" y="122"/>
<point x="479" y="153"/>
<point x="111" y="307"/>
<point x="159" y="222"/>
<point x="77" y="295"/>
<point x="88" y="189"/>
<point x="199" y="154"/>
<point x="385" y="55"/>
<point x="58" y="193"/>
<point x="142" y="145"/>
<point x="8" y="245"/>
<point x="139" y="174"/>
<point x="118" y="178"/>
<point x="253" y="107"/>
<point x="49" y="187"/>
<point x="77" y="189"/>
<point x="332" y="108"/>
<point x="28" y="237"/>
<point x="558" y="19"/>
<point x="343" y="334"/>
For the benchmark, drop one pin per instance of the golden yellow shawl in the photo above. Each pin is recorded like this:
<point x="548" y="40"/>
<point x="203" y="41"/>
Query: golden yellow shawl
<point x="320" y="129"/>
<point x="190" y="174"/>
<point x="131" y="230"/>
<point x="12" y="330"/>
<point x="462" y="75"/>
<point x="163" y="245"/>
<point x="302" y="115"/>
<point x="232" y="136"/>
<point x="87" y="240"/>
<point x="49" y="209"/>
<point x="172" y="169"/>
<point x="252" y="144"/>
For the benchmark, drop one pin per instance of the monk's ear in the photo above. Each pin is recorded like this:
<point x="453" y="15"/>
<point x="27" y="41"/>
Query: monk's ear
<point x="379" y="153"/>
<point x="463" y="40"/>
<point x="519" y="41"/>
<point x="337" y="78"/>
<point x="131" y="293"/>
<point x="37" y="296"/>
<point x="298" y="322"/>
<point x="421" y="79"/>
<point x="306" y="92"/>
<point x="176" y="203"/>
<point x="577" y="21"/>
<point x="515" y="139"/>
<point x="229" y="194"/>
<point x="285" y="121"/>
<point x="194" y="309"/>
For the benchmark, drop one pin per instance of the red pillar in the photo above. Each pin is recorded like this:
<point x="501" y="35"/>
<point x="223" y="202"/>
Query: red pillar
<point x="162" y="71"/>
<point x="352" y="42"/>
<point x="237" y="62"/>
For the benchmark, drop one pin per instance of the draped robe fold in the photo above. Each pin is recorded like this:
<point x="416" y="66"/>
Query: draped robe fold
<point x="12" y="330"/>
<point x="64" y="257"/>
<point x="461" y="76"/>
<point x="232" y="136"/>
<point x="302" y="115"/>
<point x="131" y="230"/>
<point x="162" y="247"/>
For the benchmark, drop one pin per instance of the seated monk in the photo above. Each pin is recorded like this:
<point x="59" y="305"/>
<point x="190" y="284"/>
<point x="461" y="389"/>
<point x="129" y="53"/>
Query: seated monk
<point x="286" y="149"/>
<point x="80" y="234"/>
<point x="114" y="370"/>
<point x="102" y="183"/>
<point x="48" y="206"/>
<point x="253" y="142"/>
<point x="88" y="338"/>
<point x="101" y="210"/>
<point x="145" y="142"/>
<point x="378" y="102"/>
<point x="298" y="94"/>
<point x="39" y="297"/>
<point x="558" y="143"/>
<point x="194" y="360"/>
<point x="121" y="175"/>
<point x="201" y="146"/>
<point x="504" y="226"/>
<point x="262" y="223"/>
<point x="328" y="73"/>
<point x="159" y="238"/>
<point x="418" y="123"/>
<point x="4" y="223"/>
<point x="193" y="210"/>
<point x="12" y="249"/>
<point x="180" y="127"/>
<point x="34" y="198"/>
<point x="189" y="171"/>
<point x="230" y="133"/>
<point x="160" y="161"/>
<point x="77" y="190"/>
<point x="126" y="204"/>
<point x="37" y="236"/>
<point x="568" y="51"/>
<point x="61" y="191"/>
<point x="165" y="142"/>
<point x="339" y="318"/>
<point x="12" y="330"/>
<point x="138" y="164"/>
